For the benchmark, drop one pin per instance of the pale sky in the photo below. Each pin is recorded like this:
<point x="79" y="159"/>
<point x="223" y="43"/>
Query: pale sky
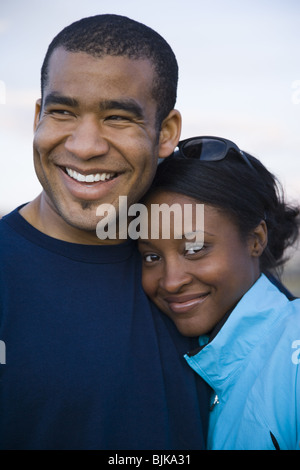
<point x="239" y="76"/>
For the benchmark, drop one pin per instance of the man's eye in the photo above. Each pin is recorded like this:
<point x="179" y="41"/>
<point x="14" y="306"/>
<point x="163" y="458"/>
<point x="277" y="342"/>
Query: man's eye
<point x="151" y="258"/>
<point x="59" y="112"/>
<point x="117" y="117"/>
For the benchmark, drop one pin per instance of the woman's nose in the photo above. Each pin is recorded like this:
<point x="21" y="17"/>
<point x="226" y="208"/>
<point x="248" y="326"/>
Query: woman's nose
<point x="175" y="277"/>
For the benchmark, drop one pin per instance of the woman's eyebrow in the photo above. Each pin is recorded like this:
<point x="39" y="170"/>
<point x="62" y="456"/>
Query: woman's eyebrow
<point x="143" y="241"/>
<point x="188" y="235"/>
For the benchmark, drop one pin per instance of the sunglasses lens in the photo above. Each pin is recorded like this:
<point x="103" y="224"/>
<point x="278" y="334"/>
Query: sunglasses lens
<point x="205" y="149"/>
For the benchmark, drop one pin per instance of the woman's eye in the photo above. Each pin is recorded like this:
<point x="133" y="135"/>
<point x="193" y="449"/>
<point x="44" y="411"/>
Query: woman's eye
<point x="151" y="258"/>
<point x="194" y="250"/>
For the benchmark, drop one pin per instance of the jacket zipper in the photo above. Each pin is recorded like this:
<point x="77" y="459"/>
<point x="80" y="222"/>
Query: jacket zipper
<point x="215" y="402"/>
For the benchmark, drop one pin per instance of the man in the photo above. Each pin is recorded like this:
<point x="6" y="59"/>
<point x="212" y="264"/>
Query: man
<point x="90" y="363"/>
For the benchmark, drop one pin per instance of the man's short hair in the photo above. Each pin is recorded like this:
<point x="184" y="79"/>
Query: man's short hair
<point x="117" y="35"/>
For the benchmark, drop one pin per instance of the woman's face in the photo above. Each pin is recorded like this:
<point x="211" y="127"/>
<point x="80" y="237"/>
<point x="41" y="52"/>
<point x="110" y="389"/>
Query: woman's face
<point x="196" y="287"/>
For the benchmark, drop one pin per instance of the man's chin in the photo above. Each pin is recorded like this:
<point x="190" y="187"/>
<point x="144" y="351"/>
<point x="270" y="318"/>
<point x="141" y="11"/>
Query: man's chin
<point x="90" y="222"/>
<point x="81" y="221"/>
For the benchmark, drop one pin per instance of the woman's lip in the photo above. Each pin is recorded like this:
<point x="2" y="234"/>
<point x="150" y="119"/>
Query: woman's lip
<point x="185" y="303"/>
<point x="184" y="297"/>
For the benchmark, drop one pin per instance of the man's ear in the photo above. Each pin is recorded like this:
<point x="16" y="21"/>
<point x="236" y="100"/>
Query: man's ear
<point x="258" y="239"/>
<point x="169" y="133"/>
<point x="37" y="112"/>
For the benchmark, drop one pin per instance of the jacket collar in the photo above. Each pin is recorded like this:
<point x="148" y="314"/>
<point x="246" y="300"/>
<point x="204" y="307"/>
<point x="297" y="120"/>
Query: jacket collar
<point x="246" y="326"/>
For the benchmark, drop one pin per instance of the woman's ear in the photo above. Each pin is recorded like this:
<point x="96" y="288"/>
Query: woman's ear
<point x="169" y="133"/>
<point x="258" y="239"/>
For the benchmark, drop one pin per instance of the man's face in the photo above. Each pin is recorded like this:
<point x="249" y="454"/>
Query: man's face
<point x="95" y="135"/>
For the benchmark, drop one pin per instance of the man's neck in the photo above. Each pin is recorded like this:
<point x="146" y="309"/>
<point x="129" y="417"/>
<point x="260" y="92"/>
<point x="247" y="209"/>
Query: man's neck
<point x="48" y="221"/>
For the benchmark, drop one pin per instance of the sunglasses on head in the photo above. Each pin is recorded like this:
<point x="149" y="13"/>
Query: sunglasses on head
<point x="209" y="149"/>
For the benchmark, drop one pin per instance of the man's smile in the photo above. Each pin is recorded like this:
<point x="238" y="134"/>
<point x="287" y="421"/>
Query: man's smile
<point x="91" y="177"/>
<point x="93" y="186"/>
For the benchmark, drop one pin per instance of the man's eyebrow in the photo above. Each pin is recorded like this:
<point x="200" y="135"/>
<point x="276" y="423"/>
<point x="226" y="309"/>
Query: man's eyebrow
<point x="56" y="98"/>
<point x="128" y="105"/>
<point x="125" y="105"/>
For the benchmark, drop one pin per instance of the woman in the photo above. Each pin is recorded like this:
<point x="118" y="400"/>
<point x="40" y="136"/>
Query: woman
<point x="219" y="290"/>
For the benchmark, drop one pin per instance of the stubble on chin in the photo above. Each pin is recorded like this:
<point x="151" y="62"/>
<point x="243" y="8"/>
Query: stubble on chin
<point x="85" y="205"/>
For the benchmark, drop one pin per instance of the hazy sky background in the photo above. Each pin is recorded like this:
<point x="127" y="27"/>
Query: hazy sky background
<point x="239" y="76"/>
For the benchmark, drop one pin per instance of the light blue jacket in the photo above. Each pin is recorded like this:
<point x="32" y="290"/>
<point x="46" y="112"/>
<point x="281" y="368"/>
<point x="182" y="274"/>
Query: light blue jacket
<point x="253" y="367"/>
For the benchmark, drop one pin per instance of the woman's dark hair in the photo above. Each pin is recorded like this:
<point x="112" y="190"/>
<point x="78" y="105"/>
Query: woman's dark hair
<point x="247" y="195"/>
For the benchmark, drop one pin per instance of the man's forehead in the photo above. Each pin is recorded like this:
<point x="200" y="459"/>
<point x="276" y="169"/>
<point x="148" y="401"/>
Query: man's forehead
<point x="63" y="56"/>
<point x="121" y="72"/>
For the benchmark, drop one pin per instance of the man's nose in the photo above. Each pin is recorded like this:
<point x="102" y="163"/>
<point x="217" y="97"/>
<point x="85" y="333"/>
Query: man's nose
<point x="87" y="139"/>
<point x="175" y="277"/>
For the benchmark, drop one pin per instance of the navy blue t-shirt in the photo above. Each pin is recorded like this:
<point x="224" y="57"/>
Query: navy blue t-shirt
<point x="90" y="362"/>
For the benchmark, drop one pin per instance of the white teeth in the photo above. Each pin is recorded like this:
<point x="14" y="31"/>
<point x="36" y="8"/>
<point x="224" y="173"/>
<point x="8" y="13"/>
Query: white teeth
<point x="89" y="178"/>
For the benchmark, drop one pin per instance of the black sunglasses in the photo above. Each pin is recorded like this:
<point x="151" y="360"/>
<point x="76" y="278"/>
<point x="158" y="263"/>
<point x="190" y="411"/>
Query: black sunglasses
<point x="208" y="149"/>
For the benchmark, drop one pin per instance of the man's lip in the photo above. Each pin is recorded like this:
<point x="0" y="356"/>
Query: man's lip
<point x="88" y="191"/>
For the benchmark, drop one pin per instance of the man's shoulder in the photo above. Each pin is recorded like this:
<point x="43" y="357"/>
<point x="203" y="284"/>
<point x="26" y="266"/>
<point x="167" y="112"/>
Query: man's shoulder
<point x="10" y="231"/>
<point x="4" y="224"/>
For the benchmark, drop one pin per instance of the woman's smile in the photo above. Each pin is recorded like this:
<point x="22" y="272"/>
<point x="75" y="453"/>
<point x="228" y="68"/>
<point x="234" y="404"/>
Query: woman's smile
<point x="185" y="303"/>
